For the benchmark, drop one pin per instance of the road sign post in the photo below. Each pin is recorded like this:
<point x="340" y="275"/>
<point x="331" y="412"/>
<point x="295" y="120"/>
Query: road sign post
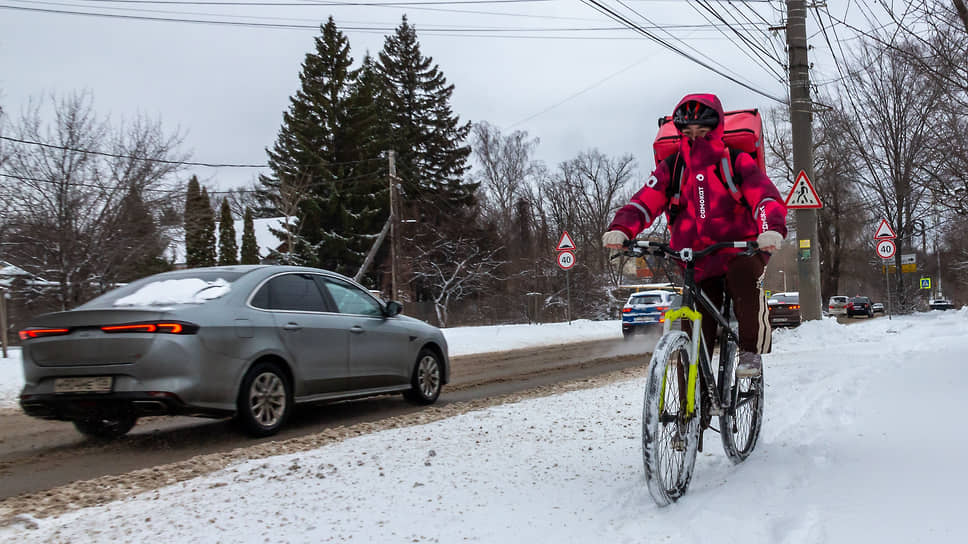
<point x="566" y="260"/>
<point x="804" y="199"/>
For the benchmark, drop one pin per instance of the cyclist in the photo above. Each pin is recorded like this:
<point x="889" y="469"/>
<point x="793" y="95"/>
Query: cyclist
<point x="707" y="213"/>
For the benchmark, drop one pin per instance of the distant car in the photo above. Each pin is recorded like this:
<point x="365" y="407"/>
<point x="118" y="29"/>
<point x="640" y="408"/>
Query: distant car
<point x="837" y="305"/>
<point x="784" y="309"/>
<point x="941" y="304"/>
<point x="243" y="341"/>
<point x="877" y="307"/>
<point x="646" y="309"/>
<point x="860" y="306"/>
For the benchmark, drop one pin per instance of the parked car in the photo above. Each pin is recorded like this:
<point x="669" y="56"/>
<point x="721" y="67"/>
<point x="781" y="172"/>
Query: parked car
<point x="242" y="341"/>
<point x="646" y="309"/>
<point x="941" y="304"/>
<point x="877" y="307"/>
<point x="837" y="305"/>
<point x="859" y="306"/>
<point x="784" y="309"/>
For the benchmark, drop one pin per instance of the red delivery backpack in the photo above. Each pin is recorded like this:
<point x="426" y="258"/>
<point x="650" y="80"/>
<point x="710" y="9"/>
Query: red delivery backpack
<point x="742" y="133"/>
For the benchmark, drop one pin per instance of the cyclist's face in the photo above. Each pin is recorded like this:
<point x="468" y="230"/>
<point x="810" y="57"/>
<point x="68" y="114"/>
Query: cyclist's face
<point x="695" y="131"/>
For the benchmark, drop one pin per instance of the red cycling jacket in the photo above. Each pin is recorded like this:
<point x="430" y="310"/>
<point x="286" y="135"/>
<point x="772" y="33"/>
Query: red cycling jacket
<point x="707" y="212"/>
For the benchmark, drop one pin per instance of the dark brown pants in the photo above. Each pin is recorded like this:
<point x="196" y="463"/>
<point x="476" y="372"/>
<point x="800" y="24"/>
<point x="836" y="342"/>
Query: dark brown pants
<point x="744" y="282"/>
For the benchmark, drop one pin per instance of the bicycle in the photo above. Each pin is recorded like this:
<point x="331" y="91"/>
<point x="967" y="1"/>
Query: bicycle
<point x="682" y="394"/>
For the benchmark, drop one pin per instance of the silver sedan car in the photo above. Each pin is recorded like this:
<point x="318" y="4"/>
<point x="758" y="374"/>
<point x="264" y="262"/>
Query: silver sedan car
<point x="242" y="341"/>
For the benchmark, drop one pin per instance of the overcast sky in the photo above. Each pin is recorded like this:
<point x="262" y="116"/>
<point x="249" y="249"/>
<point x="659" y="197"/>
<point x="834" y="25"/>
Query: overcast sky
<point x="225" y="87"/>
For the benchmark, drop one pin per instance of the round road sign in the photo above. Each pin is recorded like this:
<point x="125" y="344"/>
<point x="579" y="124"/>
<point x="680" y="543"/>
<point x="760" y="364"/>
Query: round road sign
<point x="886" y="249"/>
<point x="566" y="260"/>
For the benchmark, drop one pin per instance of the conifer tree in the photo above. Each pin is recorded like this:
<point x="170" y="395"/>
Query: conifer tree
<point x="425" y="132"/>
<point x="207" y="221"/>
<point x="320" y="146"/>
<point x="250" y="248"/>
<point x="194" y="228"/>
<point x="227" y="249"/>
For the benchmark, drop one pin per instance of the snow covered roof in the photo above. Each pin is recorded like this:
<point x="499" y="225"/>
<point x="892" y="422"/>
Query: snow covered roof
<point x="8" y="270"/>
<point x="265" y="240"/>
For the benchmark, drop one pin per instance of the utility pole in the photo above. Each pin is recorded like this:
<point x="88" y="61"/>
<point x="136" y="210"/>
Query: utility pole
<point x="394" y="219"/>
<point x="801" y="118"/>
<point x="3" y="321"/>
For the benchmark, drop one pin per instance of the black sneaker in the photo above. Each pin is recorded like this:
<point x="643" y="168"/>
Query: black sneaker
<point x="750" y="365"/>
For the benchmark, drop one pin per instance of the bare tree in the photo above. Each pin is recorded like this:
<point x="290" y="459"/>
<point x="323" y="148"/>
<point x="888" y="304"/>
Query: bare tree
<point x="71" y="182"/>
<point x="288" y="197"/>
<point x="452" y="269"/>
<point x="891" y="130"/>
<point x="506" y="168"/>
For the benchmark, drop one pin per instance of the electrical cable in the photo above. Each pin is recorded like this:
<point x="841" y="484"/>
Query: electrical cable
<point x="624" y="20"/>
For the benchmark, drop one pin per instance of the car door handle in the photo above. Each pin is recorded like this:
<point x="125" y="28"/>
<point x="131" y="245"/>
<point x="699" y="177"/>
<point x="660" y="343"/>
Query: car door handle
<point x="292" y="326"/>
<point x="357" y="329"/>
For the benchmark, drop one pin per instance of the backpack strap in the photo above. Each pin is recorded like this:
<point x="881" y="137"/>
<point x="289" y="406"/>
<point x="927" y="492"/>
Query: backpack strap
<point x="731" y="178"/>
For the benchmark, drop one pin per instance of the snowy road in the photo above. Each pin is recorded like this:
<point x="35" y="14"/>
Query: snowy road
<point x="858" y="446"/>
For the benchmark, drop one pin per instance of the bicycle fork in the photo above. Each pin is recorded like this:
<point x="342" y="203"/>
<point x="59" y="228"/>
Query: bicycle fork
<point x="697" y="348"/>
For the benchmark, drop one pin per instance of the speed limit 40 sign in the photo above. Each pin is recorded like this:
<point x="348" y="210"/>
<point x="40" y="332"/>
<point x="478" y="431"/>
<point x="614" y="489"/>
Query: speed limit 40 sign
<point x="566" y="260"/>
<point x="886" y="249"/>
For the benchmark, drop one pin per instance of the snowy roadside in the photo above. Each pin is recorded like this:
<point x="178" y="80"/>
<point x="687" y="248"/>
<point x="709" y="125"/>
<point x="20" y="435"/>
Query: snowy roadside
<point x="834" y="464"/>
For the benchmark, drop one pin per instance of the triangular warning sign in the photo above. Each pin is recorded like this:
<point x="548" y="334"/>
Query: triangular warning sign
<point x="884" y="231"/>
<point x="803" y="195"/>
<point x="565" y="243"/>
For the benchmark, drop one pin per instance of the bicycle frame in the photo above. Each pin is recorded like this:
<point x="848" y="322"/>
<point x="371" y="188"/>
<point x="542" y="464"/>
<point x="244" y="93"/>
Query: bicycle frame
<point x="700" y="356"/>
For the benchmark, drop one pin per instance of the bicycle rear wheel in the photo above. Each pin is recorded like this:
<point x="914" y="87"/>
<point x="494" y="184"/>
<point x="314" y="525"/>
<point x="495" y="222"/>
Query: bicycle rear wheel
<point x="670" y="435"/>
<point x="740" y="423"/>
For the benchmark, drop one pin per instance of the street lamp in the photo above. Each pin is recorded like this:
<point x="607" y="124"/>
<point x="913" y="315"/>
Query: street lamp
<point x="784" y="280"/>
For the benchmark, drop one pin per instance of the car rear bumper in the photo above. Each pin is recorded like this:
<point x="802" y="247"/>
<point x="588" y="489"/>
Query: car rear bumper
<point x="74" y="406"/>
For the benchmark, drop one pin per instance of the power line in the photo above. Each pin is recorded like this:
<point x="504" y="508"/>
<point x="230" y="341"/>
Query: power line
<point x="468" y="31"/>
<point x="624" y="20"/>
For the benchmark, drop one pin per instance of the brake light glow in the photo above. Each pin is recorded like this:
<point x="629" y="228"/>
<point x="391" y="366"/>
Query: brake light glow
<point x="27" y="334"/>
<point x="795" y="307"/>
<point x="164" y="328"/>
<point x="626" y="310"/>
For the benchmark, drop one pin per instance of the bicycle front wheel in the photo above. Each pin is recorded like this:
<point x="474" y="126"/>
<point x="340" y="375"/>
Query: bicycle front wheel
<point x="670" y="431"/>
<point x="740" y="423"/>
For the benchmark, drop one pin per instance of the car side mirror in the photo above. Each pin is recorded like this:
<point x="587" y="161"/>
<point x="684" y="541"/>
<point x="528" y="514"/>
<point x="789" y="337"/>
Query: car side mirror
<point x="393" y="308"/>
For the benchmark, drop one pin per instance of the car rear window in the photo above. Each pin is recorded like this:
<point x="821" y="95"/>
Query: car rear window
<point x="860" y="300"/>
<point x="784" y="299"/>
<point x="838" y="299"/>
<point x="645" y="299"/>
<point x="178" y="287"/>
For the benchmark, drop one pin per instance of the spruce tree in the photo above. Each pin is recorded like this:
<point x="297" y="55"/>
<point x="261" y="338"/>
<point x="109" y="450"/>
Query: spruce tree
<point x="207" y="222"/>
<point x="194" y="228"/>
<point x="228" y="251"/>
<point x="250" y="248"/>
<point x="425" y="132"/>
<point x="320" y="144"/>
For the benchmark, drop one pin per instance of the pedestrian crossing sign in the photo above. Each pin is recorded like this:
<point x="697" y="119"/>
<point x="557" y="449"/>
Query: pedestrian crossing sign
<point x="802" y="194"/>
<point x="925" y="283"/>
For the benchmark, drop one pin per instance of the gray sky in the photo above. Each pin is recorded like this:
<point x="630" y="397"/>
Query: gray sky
<point x="226" y="87"/>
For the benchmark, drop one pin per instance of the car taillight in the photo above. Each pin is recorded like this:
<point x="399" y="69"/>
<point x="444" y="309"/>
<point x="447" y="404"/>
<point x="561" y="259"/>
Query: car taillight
<point x="850" y="305"/>
<point x="27" y="334"/>
<point x="662" y="308"/>
<point x="795" y="307"/>
<point x="165" y="327"/>
<point x="626" y="310"/>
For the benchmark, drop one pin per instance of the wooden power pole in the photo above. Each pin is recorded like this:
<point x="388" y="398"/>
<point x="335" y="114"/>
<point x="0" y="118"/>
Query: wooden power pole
<point x="394" y="220"/>
<point x="801" y="118"/>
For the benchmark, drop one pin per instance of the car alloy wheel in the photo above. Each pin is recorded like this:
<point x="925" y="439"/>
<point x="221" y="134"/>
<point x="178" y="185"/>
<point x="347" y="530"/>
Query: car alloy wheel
<point x="427" y="378"/>
<point x="265" y="400"/>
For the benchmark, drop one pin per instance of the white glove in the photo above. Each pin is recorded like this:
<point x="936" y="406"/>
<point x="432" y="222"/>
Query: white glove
<point x="769" y="240"/>
<point x="613" y="239"/>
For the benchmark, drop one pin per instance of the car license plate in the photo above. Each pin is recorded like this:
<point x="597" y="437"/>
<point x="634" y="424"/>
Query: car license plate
<point x="644" y="319"/>
<point x="86" y="384"/>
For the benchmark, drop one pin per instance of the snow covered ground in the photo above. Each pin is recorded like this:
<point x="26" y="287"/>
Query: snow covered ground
<point x="860" y="444"/>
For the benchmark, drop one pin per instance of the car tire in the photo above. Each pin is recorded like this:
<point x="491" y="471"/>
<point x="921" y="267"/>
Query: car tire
<point x="265" y="400"/>
<point x="427" y="378"/>
<point x="106" y="428"/>
<point x="627" y="334"/>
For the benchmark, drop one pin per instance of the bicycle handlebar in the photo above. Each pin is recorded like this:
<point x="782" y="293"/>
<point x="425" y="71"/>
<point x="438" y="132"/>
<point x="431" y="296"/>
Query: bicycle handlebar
<point x="636" y="248"/>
